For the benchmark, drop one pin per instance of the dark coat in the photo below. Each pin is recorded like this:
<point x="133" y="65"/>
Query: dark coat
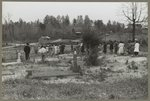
<point x="27" y="49"/>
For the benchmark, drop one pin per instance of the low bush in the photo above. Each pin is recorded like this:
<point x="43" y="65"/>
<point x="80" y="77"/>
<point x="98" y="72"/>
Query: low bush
<point x="132" y="66"/>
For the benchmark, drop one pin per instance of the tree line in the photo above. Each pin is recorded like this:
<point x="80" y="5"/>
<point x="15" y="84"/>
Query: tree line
<point x="56" y="27"/>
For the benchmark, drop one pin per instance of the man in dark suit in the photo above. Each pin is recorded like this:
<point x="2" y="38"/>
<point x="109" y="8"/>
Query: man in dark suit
<point x="27" y="51"/>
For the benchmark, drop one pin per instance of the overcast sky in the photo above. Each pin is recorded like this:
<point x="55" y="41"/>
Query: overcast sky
<point x="31" y="11"/>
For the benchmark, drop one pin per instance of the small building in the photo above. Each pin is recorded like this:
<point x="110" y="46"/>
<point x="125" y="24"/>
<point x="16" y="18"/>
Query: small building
<point x="44" y="40"/>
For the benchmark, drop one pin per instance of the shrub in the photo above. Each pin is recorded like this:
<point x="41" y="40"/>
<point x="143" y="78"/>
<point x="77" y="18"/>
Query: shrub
<point x="132" y="66"/>
<point x="92" y="57"/>
<point x="91" y="41"/>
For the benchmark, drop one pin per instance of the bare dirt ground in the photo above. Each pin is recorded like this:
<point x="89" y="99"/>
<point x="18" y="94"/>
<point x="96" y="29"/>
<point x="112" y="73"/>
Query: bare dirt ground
<point x="119" y="77"/>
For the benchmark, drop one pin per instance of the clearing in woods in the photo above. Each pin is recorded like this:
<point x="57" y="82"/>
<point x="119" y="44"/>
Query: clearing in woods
<point x="117" y="77"/>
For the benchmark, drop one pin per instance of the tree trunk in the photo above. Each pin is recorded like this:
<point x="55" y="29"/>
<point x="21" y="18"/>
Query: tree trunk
<point x="133" y="31"/>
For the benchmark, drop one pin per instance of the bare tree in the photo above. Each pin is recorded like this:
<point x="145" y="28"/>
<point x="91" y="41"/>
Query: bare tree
<point x="135" y="12"/>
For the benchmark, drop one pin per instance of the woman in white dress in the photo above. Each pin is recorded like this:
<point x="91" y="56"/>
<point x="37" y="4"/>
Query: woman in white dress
<point x="121" y="48"/>
<point x="42" y="51"/>
<point x="19" y="56"/>
<point x="136" y="48"/>
<point x="55" y="49"/>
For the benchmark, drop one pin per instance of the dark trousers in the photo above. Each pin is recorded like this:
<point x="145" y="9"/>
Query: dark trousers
<point x="27" y="56"/>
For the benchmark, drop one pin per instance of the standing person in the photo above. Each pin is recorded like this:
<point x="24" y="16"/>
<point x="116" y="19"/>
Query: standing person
<point x="116" y="47"/>
<point x="19" y="56"/>
<point x="27" y="51"/>
<point x="53" y="50"/>
<point x="71" y="47"/>
<point x="47" y="48"/>
<point x="78" y="48"/>
<point x="136" y="48"/>
<point x="111" y="46"/>
<point x="105" y="47"/>
<point x="36" y="49"/>
<point x="82" y="48"/>
<point x="42" y="51"/>
<point x="50" y="49"/>
<point x="58" y="49"/>
<point x="63" y="48"/>
<point x="121" y="48"/>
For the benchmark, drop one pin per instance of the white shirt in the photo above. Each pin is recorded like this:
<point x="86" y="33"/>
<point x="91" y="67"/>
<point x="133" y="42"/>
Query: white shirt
<point x="121" y="45"/>
<point x="42" y="50"/>
<point x="81" y="44"/>
<point x="136" y="47"/>
<point x="75" y="52"/>
<point x="19" y="57"/>
<point x="55" y="47"/>
<point x="121" y="48"/>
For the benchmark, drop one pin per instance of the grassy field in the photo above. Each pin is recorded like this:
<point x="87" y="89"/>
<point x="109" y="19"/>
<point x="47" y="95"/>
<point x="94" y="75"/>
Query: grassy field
<point x="35" y="89"/>
<point x="117" y="82"/>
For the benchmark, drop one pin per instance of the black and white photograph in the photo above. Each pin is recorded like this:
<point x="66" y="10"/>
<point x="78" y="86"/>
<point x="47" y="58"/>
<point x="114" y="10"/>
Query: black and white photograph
<point x="74" y="50"/>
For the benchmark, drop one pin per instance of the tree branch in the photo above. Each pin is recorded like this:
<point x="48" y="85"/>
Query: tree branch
<point x="135" y="11"/>
<point x="139" y="16"/>
<point x="127" y="16"/>
<point x="144" y="19"/>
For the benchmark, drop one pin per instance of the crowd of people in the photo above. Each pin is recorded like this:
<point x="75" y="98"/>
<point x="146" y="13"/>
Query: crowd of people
<point x="52" y="50"/>
<point x="116" y="47"/>
<point x="122" y="48"/>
